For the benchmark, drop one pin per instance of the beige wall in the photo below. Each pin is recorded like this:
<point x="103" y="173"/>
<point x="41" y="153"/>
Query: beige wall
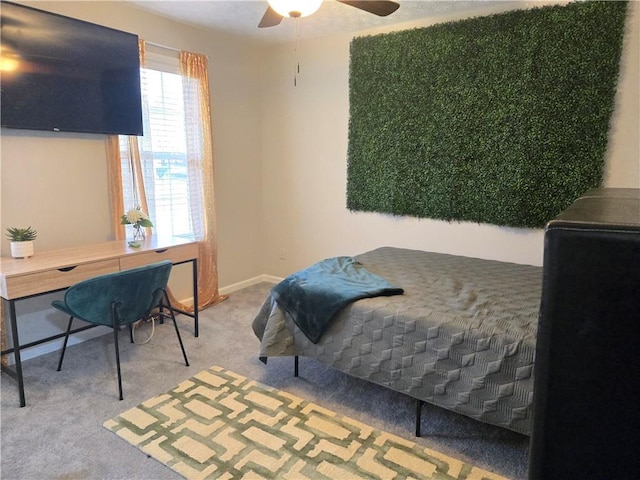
<point x="57" y="182"/>
<point x="623" y="155"/>
<point x="304" y="135"/>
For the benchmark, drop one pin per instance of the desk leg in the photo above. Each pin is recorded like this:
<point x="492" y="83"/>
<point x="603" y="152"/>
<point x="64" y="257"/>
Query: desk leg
<point x="16" y="350"/>
<point x="195" y="297"/>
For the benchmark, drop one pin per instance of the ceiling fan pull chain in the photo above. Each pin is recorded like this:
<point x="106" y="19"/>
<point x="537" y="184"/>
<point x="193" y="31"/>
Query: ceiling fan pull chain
<point x="297" y="68"/>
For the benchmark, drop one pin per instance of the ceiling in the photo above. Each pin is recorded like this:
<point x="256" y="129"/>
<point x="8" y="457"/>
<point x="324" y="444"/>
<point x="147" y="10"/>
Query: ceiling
<point x="242" y="16"/>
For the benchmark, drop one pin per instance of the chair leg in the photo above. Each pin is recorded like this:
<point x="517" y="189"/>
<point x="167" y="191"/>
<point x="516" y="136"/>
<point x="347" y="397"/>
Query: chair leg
<point x="162" y="314"/>
<point x="175" y="325"/>
<point x="64" y="344"/>
<point x="295" y="366"/>
<point x="114" y="319"/>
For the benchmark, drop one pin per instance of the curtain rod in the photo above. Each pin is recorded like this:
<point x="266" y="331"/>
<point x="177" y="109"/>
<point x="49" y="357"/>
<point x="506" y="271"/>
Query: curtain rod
<point x="157" y="45"/>
<point x="161" y="46"/>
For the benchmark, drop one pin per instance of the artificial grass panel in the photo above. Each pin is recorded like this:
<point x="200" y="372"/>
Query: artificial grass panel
<point x="500" y="119"/>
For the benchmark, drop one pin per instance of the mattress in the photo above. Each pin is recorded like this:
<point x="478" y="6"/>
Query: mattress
<point x="462" y="336"/>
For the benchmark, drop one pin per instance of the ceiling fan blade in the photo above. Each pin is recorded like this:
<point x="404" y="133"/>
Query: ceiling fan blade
<point x="382" y="8"/>
<point x="271" y="18"/>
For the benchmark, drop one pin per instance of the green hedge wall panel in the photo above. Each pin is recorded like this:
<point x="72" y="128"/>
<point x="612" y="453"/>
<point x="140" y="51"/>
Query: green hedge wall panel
<point x="500" y="119"/>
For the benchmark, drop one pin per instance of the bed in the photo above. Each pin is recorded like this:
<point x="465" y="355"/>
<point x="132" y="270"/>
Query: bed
<point x="462" y="335"/>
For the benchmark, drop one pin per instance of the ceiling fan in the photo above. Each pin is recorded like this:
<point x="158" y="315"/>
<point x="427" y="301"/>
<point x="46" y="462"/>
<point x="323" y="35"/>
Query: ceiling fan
<point x="278" y="9"/>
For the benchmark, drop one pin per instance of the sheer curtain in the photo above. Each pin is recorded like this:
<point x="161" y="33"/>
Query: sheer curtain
<point x="200" y="159"/>
<point x="126" y="157"/>
<point x="133" y="158"/>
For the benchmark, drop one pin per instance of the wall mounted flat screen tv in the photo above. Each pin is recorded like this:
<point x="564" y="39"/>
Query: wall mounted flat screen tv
<point x="68" y="75"/>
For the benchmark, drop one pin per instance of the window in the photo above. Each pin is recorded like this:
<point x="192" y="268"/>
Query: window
<point x="169" y="171"/>
<point x="163" y="154"/>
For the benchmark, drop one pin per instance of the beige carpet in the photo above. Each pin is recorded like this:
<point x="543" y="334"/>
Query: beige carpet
<point x="219" y="424"/>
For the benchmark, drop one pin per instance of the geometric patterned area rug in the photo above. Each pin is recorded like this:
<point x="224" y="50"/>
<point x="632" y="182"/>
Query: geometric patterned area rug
<point x="221" y="425"/>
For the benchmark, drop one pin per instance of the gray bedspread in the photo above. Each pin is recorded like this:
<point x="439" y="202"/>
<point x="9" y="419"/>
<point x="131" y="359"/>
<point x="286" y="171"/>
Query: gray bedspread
<point x="462" y="336"/>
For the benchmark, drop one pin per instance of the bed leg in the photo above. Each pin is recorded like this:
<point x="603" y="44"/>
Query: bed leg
<point x="295" y="366"/>
<point x="419" y="404"/>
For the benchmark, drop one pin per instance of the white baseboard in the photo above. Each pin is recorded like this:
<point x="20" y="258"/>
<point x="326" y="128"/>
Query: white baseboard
<point x="248" y="283"/>
<point x="56" y="345"/>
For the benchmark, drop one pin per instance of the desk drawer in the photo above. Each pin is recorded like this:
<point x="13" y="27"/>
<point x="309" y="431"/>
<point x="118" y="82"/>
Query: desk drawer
<point x="49" y="280"/>
<point x="177" y="254"/>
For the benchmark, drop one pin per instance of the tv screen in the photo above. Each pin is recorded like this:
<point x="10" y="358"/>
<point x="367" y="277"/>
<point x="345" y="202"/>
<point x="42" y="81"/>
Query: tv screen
<point x="64" y="74"/>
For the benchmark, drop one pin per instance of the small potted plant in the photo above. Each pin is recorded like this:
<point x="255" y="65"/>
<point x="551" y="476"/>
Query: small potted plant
<point x="21" y="241"/>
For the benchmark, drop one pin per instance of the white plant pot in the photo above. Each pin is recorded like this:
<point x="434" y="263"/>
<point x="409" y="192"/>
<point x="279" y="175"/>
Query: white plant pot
<point x="22" y="249"/>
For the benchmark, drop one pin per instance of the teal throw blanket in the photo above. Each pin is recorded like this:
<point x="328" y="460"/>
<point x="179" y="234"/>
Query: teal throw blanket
<point x="313" y="296"/>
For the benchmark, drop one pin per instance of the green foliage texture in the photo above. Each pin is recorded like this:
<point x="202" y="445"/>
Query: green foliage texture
<point x="17" y="234"/>
<point x="501" y="119"/>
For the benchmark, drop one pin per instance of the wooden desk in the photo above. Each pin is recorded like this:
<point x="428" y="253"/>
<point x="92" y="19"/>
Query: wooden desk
<point x="55" y="270"/>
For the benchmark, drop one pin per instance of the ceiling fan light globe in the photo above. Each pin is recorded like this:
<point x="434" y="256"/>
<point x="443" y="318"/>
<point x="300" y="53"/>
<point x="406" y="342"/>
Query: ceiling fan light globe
<point x="295" y="8"/>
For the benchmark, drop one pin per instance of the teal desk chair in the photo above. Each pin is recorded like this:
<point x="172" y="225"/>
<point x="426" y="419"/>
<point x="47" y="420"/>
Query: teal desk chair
<point x="119" y="299"/>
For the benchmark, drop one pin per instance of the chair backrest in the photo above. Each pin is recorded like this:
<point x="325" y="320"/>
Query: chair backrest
<point x="135" y="292"/>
